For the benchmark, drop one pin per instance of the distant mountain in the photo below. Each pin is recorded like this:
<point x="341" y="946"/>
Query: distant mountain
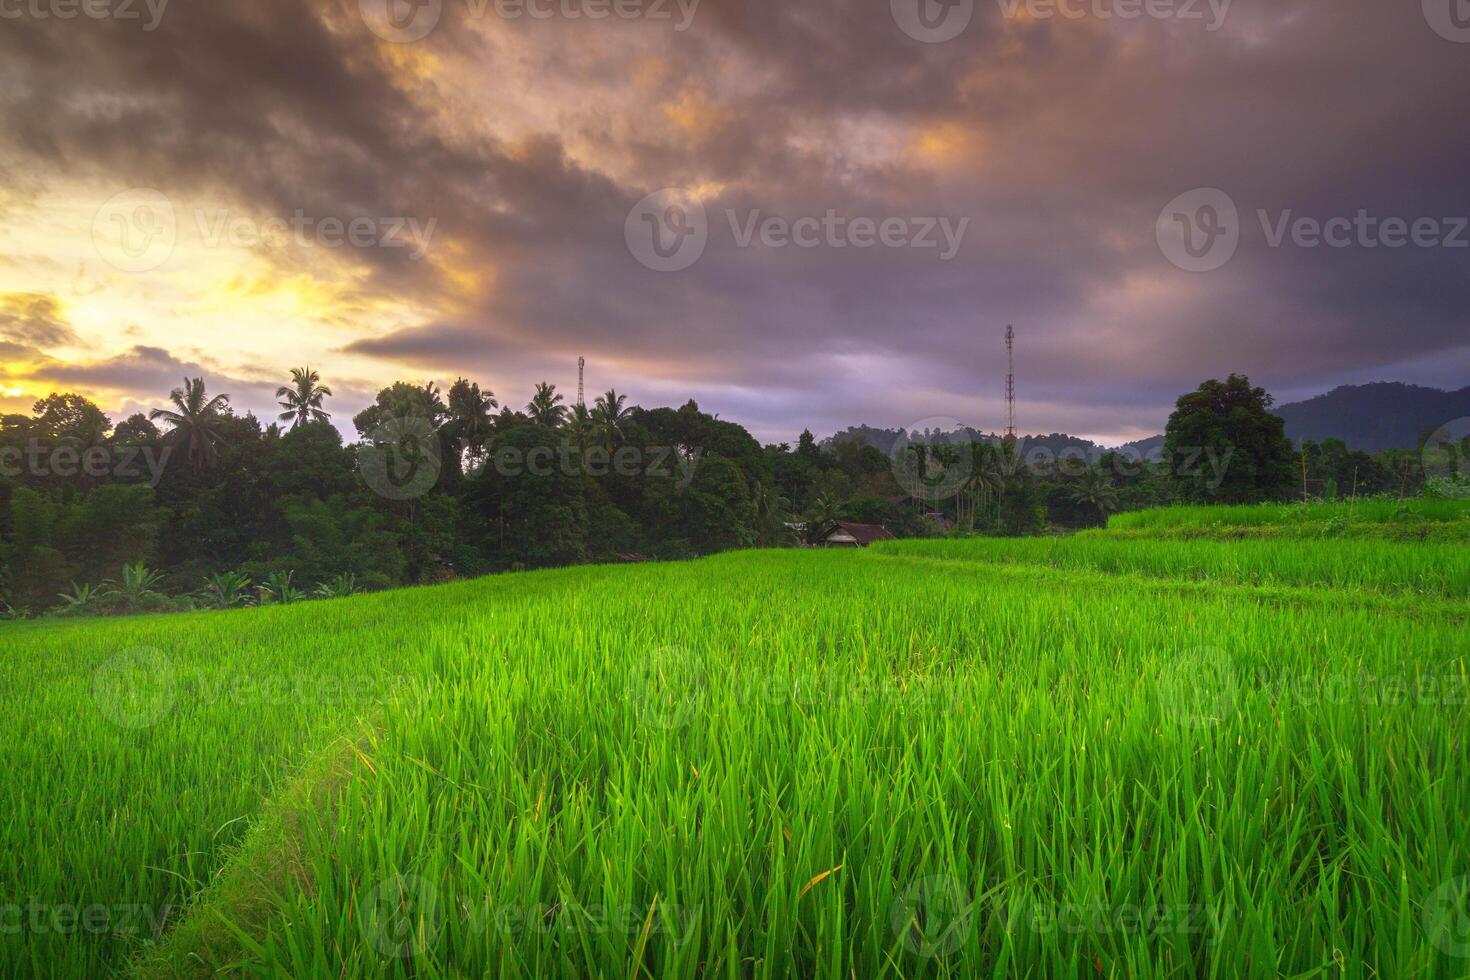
<point x="1373" y="417"/>
<point x="1143" y="447"/>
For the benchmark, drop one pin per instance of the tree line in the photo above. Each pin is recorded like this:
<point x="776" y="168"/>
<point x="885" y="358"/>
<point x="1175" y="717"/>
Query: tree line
<point x="195" y="505"/>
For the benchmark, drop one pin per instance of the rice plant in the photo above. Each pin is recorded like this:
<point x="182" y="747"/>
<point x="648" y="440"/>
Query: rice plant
<point x="944" y="759"/>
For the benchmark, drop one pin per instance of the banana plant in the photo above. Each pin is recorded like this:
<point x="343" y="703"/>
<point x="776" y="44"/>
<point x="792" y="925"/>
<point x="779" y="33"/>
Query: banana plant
<point x="278" y="591"/>
<point x="338" y="587"/>
<point x="135" y="586"/>
<point x="82" y="598"/>
<point x="226" y="591"/>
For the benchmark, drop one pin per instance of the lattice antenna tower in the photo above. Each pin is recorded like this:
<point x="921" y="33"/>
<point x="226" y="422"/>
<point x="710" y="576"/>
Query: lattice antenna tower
<point x="1010" y="382"/>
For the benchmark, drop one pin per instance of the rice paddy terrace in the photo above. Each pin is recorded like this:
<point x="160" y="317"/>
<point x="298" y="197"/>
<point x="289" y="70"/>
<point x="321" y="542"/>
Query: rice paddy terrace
<point x="1224" y="742"/>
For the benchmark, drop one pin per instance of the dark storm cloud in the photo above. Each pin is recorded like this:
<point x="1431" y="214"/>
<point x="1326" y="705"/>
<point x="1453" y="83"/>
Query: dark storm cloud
<point x="1058" y="140"/>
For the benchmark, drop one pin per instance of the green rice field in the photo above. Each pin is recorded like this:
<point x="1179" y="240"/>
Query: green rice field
<point x="1132" y="753"/>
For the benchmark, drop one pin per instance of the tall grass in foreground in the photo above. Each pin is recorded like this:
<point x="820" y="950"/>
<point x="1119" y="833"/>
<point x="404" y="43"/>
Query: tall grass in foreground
<point x="768" y="763"/>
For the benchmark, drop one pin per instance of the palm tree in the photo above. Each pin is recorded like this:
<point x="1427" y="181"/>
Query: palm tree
<point x="611" y="415"/>
<point x="580" y="428"/>
<point x="196" y="420"/>
<point x="1095" y="489"/>
<point x="545" y="407"/>
<point x="824" y="514"/>
<point x="471" y="422"/>
<point x="302" y="398"/>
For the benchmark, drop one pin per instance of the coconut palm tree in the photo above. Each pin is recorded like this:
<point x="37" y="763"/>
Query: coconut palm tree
<point x="545" y="407"/>
<point x="471" y="422"/>
<point x="580" y="428"/>
<point x="611" y="416"/>
<point x="302" y="398"/>
<point x="1098" y="491"/>
<point x="196" y="421"/>
<point x="826" y="510"/>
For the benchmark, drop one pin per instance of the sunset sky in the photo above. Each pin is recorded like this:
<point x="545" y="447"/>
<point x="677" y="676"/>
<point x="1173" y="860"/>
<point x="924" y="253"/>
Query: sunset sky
<point x="518" y="148"/>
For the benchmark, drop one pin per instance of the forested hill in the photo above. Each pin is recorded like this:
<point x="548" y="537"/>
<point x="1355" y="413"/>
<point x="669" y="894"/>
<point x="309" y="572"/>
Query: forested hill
<point x="1374" y="417"/>
<point x="1371" y="417"/>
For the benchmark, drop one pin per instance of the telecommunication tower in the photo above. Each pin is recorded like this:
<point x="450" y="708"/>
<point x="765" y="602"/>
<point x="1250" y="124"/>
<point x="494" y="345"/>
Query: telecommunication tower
<point x="581" y="381"/>
<point x="1010" y="382"/>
